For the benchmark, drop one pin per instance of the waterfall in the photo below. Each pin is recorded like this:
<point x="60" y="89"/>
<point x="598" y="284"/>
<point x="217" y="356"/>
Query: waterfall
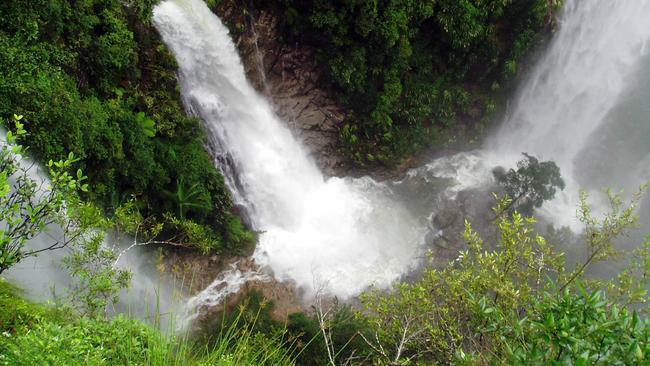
<point x="578" y="80"/>
<point x="330" y="234"/>
<point x="584" y="106"/>
<point x="563" y="110"/>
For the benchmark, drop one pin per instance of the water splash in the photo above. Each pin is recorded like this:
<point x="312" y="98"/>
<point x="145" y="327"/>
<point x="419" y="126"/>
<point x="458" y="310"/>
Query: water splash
<point x="228" y="283"/>
<point x="569" y="108"/>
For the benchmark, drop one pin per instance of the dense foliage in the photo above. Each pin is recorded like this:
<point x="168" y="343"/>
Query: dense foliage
<point x="410" y="70"/>
<point x="27" y="206"/>
<point x="574" y="328"/>
<point x="92" y="77"/>
<point x="516" y="302"/>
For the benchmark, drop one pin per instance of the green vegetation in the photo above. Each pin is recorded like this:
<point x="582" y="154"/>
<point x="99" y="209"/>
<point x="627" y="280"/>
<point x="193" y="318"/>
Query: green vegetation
<point x="27" y="207"/>
<point x="98" y="94"/>
<point x="33" y="334"/>
<point x="517" y="303"/>
<point x="412" y="71"/>
<point x="330" y="333"/>
<point x="92" y="78"/>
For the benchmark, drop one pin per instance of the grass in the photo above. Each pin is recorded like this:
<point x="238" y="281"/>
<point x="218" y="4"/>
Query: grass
<point x="42" y="334"/>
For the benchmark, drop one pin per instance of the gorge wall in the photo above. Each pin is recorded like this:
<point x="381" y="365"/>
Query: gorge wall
<point x="286" y="74"/>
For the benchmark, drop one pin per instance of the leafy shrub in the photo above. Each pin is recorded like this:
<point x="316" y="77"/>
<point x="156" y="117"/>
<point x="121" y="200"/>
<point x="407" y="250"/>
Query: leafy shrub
<point x="583" y="328"/>
<point x="39" y="335"/>
<point x="515" y="302"/>
<point x="27" y="206"/>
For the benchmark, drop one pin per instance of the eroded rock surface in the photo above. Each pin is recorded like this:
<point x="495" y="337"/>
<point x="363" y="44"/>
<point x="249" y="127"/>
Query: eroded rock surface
<point x="287" y="76"/>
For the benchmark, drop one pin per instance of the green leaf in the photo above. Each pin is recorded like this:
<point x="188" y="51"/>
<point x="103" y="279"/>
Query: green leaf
<point x="4" y="185"/>
<point x="638" y="353"/>
<point x="147" y="125"/>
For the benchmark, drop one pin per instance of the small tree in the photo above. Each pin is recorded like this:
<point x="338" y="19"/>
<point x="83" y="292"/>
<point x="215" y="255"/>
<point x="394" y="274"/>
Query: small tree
<point x="28" y="207"/>
<point x="531" y="184"/>
<point x="91" y="262"/>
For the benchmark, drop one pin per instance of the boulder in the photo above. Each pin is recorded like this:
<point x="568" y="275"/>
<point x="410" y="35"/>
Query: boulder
<point x="446" y="217"/>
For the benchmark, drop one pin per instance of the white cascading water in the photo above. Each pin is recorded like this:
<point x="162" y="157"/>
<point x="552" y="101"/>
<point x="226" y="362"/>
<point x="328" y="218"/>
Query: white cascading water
<point x="578" y="80"/>
<point x="226" y="284"/>
<point x="335" y="235"/>
<point x="342" y="235"/>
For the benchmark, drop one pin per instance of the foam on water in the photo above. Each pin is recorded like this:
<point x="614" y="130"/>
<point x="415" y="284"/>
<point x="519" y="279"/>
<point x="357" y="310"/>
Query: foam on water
<point x="227" y="283"/>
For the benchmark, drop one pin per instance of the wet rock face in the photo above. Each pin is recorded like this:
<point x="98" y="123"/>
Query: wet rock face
<point x="196" y="272"/>
<point x="446" y="217"/>
<point x="190" y="269"/>
<point x="446" y="239"/>
<point x="288" y="77"/>
<point x="282" y="295"/>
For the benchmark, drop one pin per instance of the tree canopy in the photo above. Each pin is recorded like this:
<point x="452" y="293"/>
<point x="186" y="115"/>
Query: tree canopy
<point x="93" y="78"/>
<point x="531" y="184"/>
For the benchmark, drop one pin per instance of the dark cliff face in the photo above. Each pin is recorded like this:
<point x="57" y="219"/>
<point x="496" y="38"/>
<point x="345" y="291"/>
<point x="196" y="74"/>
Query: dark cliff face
<point x="286" y="74"/>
